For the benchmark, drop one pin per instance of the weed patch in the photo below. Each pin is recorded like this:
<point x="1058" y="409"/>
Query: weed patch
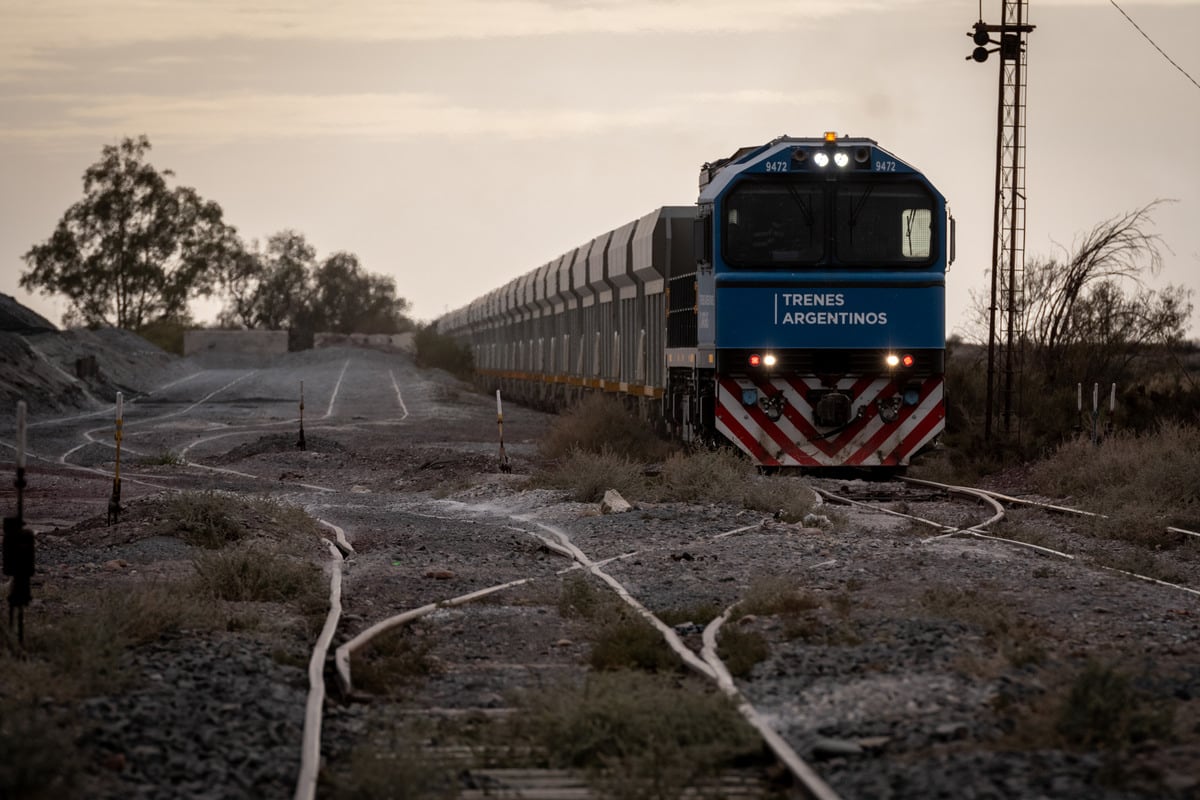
<point x="1103" y="709"/>
<point x="256" y="572"/>
<point x="632" y="643"/>
<point x="741" y="649"/>
<point x="78" y="649"/>
<point x="1017" y="639"/>
<point x="589" y="475"/>
<point x="394" y="659"/>
<point x="213" y="520"/>
<point x="1143" y="482"/>
<point x="777" y="595"/>
<point x="34" y="742"/>
<point x="636" y="735"/>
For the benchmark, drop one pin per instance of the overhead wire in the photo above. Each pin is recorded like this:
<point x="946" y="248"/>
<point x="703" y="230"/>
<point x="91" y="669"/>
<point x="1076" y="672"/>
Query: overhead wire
<point x="1152" y="42"/>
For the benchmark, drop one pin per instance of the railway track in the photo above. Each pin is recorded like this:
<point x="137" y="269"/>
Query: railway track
<point x="902" y="658"/>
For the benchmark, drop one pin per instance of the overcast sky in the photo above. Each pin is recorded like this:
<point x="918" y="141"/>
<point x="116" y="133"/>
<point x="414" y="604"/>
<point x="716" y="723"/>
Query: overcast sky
<point x="456" y="144"/>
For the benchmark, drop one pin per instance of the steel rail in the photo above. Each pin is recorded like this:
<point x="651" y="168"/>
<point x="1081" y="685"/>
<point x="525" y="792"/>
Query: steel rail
<point x="1047" y="506"/>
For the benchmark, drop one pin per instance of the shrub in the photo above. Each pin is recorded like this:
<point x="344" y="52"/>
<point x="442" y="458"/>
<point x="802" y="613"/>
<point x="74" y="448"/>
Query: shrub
<point x="254" y="572"/>
<point x="206" y="519"/>
<point x="437" y="351"/>
<point x="600" y="424"/>
<point x="590" y="475"/>
<point x="213" y="520"/>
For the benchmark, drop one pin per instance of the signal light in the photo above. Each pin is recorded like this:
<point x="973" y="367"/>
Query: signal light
<point x="767" y="360"/>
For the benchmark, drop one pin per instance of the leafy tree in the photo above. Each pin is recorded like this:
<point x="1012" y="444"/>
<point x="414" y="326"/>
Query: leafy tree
<point x="133" y="249"/>
<point x="284" y="288"/>
<point x="349" y="300"/>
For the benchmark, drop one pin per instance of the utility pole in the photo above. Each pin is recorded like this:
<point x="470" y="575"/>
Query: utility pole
<point x="1008" y="238"/>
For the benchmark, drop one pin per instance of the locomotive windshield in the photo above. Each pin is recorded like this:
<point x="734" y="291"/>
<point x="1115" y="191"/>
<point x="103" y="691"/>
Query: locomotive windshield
<point x="789" y="222"/>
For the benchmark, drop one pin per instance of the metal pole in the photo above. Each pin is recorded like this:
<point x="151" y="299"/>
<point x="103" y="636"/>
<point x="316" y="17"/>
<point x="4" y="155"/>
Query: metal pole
<point x="114" y="502"/>
<point x="504" y="465"/>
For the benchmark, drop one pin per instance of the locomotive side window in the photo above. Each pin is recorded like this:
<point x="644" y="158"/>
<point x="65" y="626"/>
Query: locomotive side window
<point x="882" y="224"/>
<point x="916" y="233"/>
<point x="775" y="223"/>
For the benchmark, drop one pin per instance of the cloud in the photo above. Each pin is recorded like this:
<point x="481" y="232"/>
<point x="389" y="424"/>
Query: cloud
<point x="222" y="118"/>
<point x="34" y="32"/>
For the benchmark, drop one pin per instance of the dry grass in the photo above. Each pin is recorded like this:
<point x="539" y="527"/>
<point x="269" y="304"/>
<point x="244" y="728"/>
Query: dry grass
<point x="637" y="736"/>
<point x="394" y="659"/>
<point x="741" y="649"/>
<point x="777" y="595"/>
<point x="706" y="476"/>
<point x="214" y="519"/>
<point x="1144" y="483"/>
<point x="1017" y="639"/>
<point x="256" y="572"/>
<point x="33" y="741"/>
<point x="589" y="475"/>
<point x="631" y="643"/>
<point x="76" y="644"/>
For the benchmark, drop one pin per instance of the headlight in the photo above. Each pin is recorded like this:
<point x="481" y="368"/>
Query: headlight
<point x="821" y="159"/>
<point x="892" y="360"/>
<point x="840" y="158"/>
<point x="769" y="360"/>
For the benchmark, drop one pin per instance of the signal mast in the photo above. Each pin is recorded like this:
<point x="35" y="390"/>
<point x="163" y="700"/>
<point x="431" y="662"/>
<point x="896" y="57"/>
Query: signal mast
<point x="1008" y="240"/>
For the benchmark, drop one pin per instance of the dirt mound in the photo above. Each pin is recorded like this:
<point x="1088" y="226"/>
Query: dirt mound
<point x="16" y="318"/>
<point x="55" y="371"/>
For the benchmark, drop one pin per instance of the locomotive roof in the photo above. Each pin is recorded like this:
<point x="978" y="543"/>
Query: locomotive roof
<point x="716" y="175"/>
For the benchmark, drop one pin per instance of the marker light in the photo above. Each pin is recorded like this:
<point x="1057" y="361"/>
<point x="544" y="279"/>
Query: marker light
<point x="892" y="360"/>
<point x="755" y="360"/>
<point x="821" y="159"/>
<point x="907" y="360"/>
<point x="769" y="360"/>
<point x="840" y="158"/>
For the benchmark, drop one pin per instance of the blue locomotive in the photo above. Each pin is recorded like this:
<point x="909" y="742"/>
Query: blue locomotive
<point x="797" y="310"/>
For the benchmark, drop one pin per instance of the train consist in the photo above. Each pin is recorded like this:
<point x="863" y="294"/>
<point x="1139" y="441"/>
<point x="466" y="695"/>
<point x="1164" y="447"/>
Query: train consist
<point x="797" y="310"/>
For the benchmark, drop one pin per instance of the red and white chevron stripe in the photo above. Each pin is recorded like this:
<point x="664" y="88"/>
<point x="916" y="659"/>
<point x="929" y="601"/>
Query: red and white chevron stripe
<point x="795" y="441"/>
